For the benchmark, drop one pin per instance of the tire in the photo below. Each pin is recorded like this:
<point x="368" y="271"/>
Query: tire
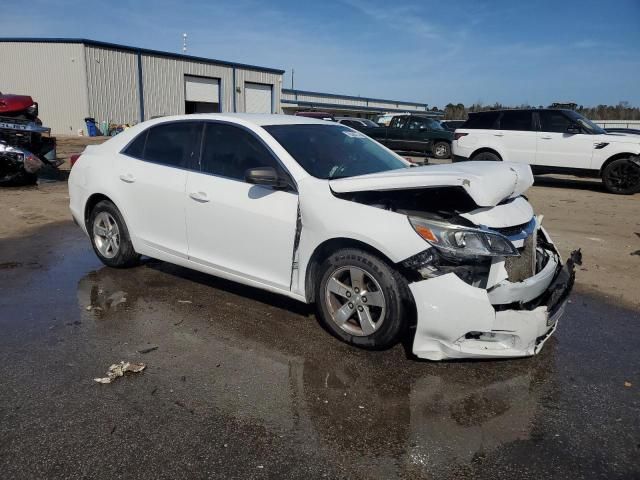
<point x="385" y="299"/>
<point x="110" y="236"/>
<point x="486" y="157"/>
<point x="622" y="177"/>
<point x="441" y="150"/>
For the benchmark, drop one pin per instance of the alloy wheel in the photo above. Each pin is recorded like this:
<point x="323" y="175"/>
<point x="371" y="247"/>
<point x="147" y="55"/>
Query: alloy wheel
<point x="624" y="176"/>
<point x="355" y="301"/>
<point x="106" y="235"/>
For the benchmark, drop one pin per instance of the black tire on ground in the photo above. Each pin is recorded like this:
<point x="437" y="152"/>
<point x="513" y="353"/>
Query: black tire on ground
<point x="126" y="256"/>
<point x="441" y="150"/>
<point x="622" y="177"/>
<point x="394" y="287"/>
<point x="486" y="157"/>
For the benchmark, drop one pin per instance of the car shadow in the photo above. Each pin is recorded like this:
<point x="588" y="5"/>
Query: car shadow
<point x="574" y="183"/>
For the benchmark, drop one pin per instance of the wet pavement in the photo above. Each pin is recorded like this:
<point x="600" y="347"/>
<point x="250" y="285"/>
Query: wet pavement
<point x="245" y="384"/>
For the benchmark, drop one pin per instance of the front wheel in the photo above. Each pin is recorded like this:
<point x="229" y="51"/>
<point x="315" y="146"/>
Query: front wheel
<point x="622" y="176"/>
<point x="441" y="150"/>
<point x="362" y="300"/>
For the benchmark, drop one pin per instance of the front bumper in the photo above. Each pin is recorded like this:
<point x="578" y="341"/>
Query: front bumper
<point x="457" y="320"/>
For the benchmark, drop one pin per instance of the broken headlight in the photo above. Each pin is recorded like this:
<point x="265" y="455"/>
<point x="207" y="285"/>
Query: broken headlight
<point x="459" y="241"/>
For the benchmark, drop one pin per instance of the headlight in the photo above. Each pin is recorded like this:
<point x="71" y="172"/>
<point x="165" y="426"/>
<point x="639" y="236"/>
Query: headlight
<point x="462" y="241"/>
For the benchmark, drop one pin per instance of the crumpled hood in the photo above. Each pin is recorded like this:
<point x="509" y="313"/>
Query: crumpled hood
<point x="487" y="183"/>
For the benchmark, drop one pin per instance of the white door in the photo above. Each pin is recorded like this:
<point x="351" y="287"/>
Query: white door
<point x="258" y="98"/>
<point x="236" y="227"/>
<point x="517" y="136"/>
<point x="559" y="148"/>
<point x="152" y="176"/>
<point x="201" y="89"/>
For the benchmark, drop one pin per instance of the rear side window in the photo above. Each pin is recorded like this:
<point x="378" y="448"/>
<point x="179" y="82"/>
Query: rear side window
<point x="230" y="151"/>
<point x="175" y="144"/>
<point x="485" y="120"/>
<point x="553" y="121"/>
<point x="136" y="148"/>
<point x="516" y="120"/>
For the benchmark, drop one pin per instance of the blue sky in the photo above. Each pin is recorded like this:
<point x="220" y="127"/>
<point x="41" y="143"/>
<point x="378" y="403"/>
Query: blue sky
<point x="429" y="51"/>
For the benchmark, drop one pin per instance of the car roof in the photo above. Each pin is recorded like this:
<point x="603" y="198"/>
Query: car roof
<point x="532" y="109"/>
<point x="259" y="119"/>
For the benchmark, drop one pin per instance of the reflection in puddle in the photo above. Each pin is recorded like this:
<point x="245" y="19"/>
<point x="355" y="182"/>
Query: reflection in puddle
<point x="266" y="365"/>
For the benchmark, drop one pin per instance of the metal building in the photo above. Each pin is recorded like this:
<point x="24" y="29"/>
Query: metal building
<point x="76" y="78"/>
<point x="347" y="105"/>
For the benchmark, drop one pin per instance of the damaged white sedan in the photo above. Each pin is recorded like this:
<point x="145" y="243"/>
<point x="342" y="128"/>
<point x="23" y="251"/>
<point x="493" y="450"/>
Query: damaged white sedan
<point x="321" y="213"/>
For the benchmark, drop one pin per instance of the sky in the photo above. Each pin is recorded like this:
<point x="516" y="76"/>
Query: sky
<point x="431" y="51"/>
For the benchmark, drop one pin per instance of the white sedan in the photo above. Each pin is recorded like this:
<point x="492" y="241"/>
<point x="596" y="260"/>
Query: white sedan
<point x="316" y="211"/>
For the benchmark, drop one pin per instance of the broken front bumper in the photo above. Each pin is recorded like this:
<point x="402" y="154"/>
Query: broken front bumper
<point x="457" y="320"/>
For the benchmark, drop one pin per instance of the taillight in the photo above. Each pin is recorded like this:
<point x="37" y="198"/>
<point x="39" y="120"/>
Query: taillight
<point x="459" y="135"/>
<point x="74" y="158"/>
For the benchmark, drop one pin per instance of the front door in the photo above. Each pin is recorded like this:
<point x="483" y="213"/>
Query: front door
<point x="558" y="148"/>
<point x="236" y="227"/>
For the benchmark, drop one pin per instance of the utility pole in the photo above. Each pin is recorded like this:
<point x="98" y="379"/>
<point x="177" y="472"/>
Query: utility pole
<point x="292" y="74"/>
<point x="184" y="43"/>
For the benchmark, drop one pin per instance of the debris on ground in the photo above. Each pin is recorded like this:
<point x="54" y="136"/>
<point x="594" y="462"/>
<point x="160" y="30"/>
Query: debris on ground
<point x="148" y="349"/>
<point x="185" y="301"/>
<point x="637" y="252"/>
<point x="119" y="369"/>
<point x="116" y="299"/>
<point x="627" y="384"/>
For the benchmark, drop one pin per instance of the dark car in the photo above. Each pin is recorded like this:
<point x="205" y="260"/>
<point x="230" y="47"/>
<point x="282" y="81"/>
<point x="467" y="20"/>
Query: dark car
<point x="356" y="123"/>
<point x="451" y="125"/>
<point x="413" y="133"/>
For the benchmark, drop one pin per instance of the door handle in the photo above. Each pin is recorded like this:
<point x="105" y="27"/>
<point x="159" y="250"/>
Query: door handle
<point x="128" y="178"/>
<point x="546" y="138"/>
<point x="199" y="197"/>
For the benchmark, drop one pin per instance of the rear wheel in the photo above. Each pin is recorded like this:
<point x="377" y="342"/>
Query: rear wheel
<point x="441" y="150"/>
<point x="110" y="236"/>
<point x="486" y="157"/>
<point x="622" y="177"/>
<point x="362" y="300"/>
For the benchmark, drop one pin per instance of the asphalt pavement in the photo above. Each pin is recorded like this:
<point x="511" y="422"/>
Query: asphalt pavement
<point x="244" y="384"/>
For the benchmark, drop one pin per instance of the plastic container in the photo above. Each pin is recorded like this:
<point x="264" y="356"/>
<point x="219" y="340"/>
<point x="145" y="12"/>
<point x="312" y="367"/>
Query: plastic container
<point x="92" y="130"/>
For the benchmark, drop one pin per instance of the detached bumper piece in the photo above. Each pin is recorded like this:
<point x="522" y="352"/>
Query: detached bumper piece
<point x="457" y="320"/>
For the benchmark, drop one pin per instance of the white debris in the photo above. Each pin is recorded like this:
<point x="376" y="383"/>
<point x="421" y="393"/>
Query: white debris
<point x="119" y="369"/>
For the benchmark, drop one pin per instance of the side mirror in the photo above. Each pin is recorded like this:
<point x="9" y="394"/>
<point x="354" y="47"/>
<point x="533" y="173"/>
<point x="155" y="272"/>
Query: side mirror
<point x="265" y="176"/>
<point x="574" y="128"/>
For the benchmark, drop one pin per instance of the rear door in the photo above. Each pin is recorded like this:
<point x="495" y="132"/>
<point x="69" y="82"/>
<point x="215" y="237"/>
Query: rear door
<point x="239" y="228"/>
<point x="517" y="134"/>
<point x="558" y="148"/>
<point x="152" y="174"/>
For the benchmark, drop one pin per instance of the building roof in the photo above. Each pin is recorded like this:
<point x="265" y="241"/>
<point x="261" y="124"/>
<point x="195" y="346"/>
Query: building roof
<point x="350" y="97"/>
<point x="145" y="51"/>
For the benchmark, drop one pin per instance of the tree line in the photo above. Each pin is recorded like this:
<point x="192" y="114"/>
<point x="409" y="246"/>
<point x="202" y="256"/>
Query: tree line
<point x="621" y="111"/>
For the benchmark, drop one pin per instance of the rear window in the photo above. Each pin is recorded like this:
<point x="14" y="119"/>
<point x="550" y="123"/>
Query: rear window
<point x="485" y="120"/>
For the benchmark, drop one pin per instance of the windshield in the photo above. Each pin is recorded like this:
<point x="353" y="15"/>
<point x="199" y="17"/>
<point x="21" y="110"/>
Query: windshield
<point x="435" y="125"/>
<point x="585" y="123"/>
<point x="328" y="151"/>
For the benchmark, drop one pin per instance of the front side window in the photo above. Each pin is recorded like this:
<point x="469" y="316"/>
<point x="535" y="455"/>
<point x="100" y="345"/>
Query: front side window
<point x="175" y="144"/>
<point x="398" y="122"/>
<point x="551" y="121"/>
<point x="328" y="151"/>
<point x="516" y="120"/>
<point x="585" y="123"/>
<point x="229" y="151"/>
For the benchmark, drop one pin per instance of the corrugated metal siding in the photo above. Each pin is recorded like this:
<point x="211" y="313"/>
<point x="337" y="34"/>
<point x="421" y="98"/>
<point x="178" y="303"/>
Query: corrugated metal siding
<point x="54" y="75"/>
<point x="163" y="81"/>
<point x="320" y="99"/>
<point x="112" y="81"/>
<point x="266" y="78"/>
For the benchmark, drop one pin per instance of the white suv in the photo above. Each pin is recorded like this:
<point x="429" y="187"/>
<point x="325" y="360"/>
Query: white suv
<point x="321" y="213"/>
<point x="552" y="141"/>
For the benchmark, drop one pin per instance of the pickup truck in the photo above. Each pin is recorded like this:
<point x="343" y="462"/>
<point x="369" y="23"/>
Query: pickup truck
<point x="413" y="133"/>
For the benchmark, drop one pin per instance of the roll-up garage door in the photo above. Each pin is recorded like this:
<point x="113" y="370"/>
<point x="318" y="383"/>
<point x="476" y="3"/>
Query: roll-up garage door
<point x="200" y="89"/>
<point x="258" y="98"/>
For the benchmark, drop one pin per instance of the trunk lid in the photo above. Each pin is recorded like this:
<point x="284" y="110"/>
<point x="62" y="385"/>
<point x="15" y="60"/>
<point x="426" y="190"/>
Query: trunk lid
<point x="487" y="183"/>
